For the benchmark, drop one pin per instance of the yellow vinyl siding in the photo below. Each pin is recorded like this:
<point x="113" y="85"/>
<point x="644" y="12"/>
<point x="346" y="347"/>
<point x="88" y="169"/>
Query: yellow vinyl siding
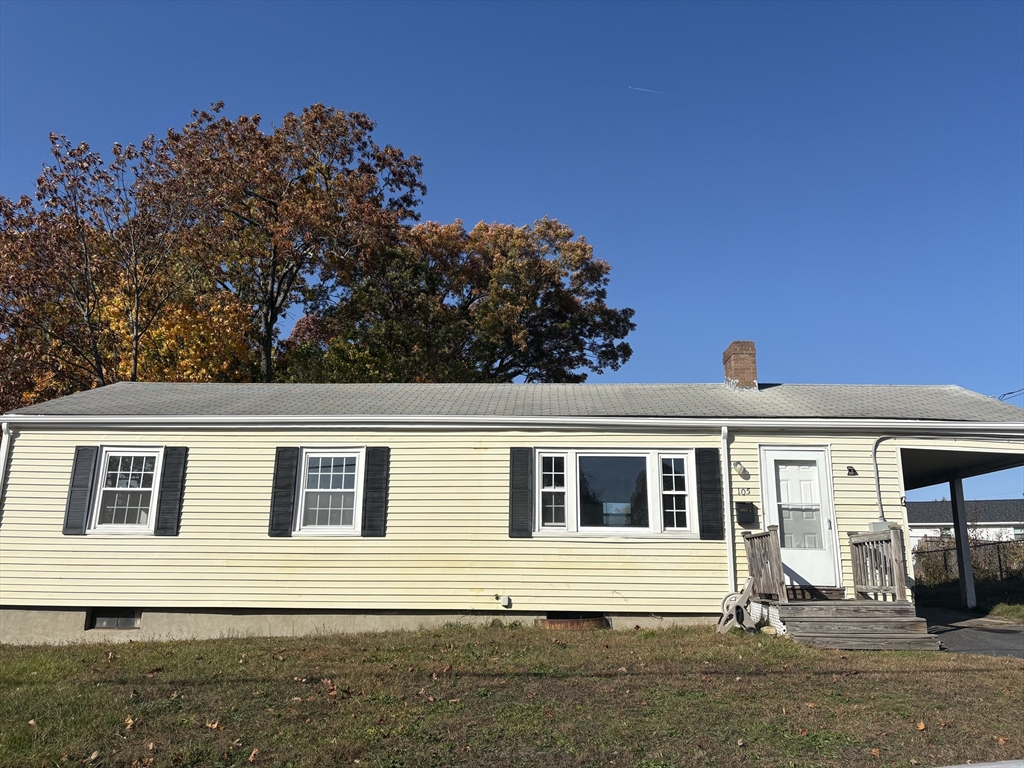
<point x="447" y="545"/>
<point x="854" y="498"/>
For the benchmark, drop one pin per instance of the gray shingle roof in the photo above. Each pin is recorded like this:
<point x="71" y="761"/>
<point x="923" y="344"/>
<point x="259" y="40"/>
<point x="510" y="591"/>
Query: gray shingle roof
<point x="988" y="511"/>
<point x="929" y="403"/>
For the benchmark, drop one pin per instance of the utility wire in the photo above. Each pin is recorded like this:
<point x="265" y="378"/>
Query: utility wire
<point x="1014" y="393"/>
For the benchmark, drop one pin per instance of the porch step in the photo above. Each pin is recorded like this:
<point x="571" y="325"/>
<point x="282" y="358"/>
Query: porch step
<point x="801" y="592"/>
<point x="902" y="641"/>
<point x="851" y="609"/>
<point x="895" y="624"/>
<point x="857" y="625"/>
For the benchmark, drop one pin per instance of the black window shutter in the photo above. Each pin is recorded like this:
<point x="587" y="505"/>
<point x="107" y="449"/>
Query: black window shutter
<point x="172" y="488"/>
<point x="282" y="500"/>
<point x="83" y="471"/>
<point x="520" y="494"/>
<point x="709" y="493"/>
<point x="375" y="491"/>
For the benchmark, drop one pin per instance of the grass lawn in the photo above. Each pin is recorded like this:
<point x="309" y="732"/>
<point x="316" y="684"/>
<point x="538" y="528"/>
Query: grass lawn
<point x="505" y="696"/>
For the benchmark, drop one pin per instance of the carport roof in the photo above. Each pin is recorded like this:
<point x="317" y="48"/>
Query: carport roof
<point x="984" y="511"/>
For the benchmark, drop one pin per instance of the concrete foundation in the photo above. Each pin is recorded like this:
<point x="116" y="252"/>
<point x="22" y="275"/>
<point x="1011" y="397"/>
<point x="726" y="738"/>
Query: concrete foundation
<point x="56" y="626"/>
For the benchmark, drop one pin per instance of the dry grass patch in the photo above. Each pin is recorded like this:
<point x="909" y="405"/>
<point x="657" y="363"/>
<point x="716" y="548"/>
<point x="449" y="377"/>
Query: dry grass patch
<point x="502" y="696"/>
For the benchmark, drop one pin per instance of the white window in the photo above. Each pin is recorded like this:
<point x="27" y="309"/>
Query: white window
<point x="615" y="492"/>
<point x="126" y="492"/>
<point x="675" y="493"/>
<point x="331" y="492"/>
<point x="552" y="491"/>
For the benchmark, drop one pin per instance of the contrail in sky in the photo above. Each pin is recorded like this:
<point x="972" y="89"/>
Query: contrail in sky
<point x="648" y="90"/>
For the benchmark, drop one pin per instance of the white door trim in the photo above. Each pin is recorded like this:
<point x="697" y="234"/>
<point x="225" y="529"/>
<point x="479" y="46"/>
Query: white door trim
<point x="822" y="454"/>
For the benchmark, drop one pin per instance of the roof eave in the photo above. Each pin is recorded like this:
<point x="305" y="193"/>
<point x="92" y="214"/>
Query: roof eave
<point x="629" y="423"/>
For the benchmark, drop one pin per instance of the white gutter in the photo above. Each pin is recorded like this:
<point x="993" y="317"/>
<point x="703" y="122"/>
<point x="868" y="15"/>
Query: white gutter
<point x="730" y="551"/>
<point x="641" y="423"/>
<point x="5" y="447"/>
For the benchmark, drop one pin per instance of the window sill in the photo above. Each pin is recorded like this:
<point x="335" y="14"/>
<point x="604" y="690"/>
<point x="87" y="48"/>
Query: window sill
<point x="563" y="535"/>
<point x="115" y="532"/>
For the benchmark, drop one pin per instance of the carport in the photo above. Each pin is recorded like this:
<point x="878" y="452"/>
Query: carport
<point x="924" y="466"/>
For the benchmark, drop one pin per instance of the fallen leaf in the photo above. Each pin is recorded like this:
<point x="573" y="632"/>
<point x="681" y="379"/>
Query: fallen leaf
<point x="740" y="743"/>
<point x="1002" y="741"/>
<point x="920" y="725"/>
<point x="214" y="725"/>
<point x="129" y="723"/>
<point x="811" y="705"/>
<point x="876" y="752"/>
<point x="622" y="669"/>
<point x="92" y="757"/>
<point x="803" y="731"/>
<point x="252" y="757"/>
<point x="32" y="722"/>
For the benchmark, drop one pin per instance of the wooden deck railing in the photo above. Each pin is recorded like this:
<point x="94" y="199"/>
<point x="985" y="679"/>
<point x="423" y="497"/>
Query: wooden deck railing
<point x="764" y="563"/>
<point x="879" y="572"/>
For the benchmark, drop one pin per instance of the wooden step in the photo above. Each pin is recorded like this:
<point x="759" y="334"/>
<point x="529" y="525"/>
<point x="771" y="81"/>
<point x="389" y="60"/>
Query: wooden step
<point x="873" y="642"/>
<point x="815" y="593"/>
<point x="860" y="625"/>
<point x="844" y="608"/>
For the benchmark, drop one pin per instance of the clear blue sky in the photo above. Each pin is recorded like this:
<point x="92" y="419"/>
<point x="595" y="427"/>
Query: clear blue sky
<point x="843" y="183"/>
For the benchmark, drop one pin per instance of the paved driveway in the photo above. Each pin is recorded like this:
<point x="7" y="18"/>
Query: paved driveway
<point x="966" y="633"/>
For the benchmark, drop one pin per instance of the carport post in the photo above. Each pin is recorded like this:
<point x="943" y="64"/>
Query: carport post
<point x="963" y="543"/>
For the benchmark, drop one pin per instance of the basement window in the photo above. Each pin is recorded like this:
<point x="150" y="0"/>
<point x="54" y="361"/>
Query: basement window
<point x="115" y="618"/>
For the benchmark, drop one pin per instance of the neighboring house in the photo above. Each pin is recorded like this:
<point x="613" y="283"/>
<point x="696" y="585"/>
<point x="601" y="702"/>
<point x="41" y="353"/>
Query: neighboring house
<point x="994" y="519"/>
<point x="196" y="510"/>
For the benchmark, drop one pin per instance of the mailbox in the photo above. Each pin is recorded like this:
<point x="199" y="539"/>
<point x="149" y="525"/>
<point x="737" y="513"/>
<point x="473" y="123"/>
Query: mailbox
<point x="746" y="512"/>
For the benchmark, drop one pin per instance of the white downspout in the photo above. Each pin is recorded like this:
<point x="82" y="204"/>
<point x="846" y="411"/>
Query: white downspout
<point x="880" y="524"/>
<point x="730" y="545"/>
<point x="5" y="447"/>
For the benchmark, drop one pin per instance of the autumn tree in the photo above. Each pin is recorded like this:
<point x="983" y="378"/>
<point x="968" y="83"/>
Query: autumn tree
<point x="53" y="268"/>
<point x="498" y="303"/>
<point x="89" y="269"/>
<point x="289" y="211"/>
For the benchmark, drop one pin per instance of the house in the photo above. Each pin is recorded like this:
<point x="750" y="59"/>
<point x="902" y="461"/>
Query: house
<point x="200" y="510"/>
<point x="990" y="519"/>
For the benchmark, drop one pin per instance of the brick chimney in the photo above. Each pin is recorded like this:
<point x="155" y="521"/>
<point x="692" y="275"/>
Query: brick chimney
<point x="740" y="361"/>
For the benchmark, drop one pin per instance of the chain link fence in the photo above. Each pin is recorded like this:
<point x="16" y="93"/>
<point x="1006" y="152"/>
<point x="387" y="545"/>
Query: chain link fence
<point x="935" y="561"/>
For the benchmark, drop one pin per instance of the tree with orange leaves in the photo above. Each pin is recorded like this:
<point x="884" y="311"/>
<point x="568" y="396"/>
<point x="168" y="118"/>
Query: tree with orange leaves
<point x="284" y="213"/>
<point x="497" y="303"/>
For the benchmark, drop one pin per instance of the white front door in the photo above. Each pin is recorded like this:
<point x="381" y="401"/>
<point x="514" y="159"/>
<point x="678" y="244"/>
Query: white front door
<point x="799" y="501"/>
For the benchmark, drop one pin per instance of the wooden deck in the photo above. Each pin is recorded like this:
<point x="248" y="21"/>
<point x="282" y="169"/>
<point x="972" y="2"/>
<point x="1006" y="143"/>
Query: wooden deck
<point x="879" y="617"/>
